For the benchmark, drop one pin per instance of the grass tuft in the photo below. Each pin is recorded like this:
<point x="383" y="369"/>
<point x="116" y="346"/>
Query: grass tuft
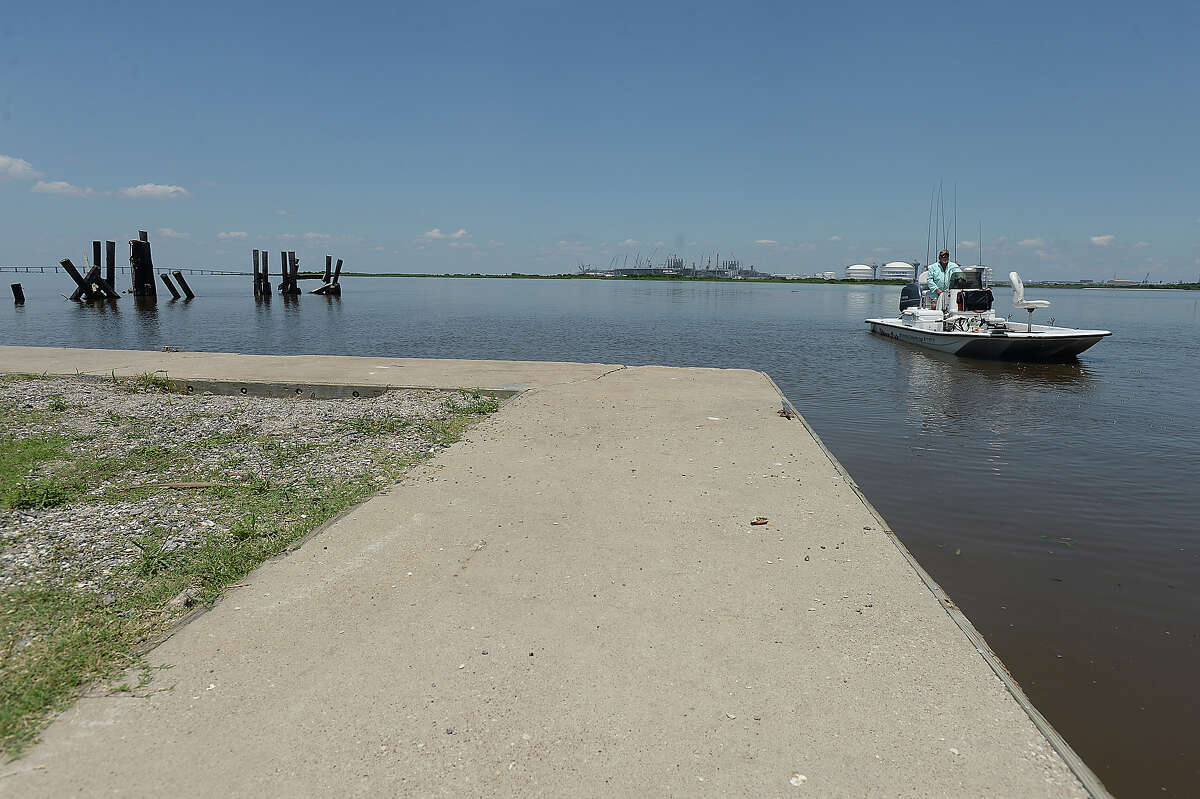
<point x="148" y="383"/>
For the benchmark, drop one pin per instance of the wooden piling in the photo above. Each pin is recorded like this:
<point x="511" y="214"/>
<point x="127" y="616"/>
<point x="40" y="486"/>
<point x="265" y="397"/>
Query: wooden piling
<point x="293" y="271"/>
<point x="257" y="277"/>
<point x="143" y="236"/>
<point x="93" y="279"/>
<point x="328" y="267"/>
<point x="18" y="294"/>
<point x="265" y="276"/>
<point x="98" y="287"/>
<point x="83" y="290"/>
<point x="110" y="262"/>
<point x="337" y="272"/>
<point x="187" y="290"/>
<point x="166" y="280"/>
<point x="283" y="272"/>
<point x="141" y="266"/>
<point x="96" y="254"/>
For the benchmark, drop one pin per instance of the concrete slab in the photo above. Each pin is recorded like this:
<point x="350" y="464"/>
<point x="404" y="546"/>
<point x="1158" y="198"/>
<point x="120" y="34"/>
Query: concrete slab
<point x="311" y="369"/>
<point x="572" y="601"/>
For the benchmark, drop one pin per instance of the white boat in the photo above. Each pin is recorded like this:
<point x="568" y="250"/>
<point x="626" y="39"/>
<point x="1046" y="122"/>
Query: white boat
<point x="962" y="322"/>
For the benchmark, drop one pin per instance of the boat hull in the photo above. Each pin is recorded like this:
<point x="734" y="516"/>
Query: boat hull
<point x="1044" y="344"/>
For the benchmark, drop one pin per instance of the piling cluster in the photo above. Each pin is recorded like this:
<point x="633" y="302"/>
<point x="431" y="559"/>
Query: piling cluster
<point x="93" y="286"/>
<point x="290" y="275"/>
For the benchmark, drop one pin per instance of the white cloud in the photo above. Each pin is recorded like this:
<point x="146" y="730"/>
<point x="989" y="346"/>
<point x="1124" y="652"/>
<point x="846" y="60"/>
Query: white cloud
<point x="62" y="189"/>
<point x="316" y="236"/>
<point x="1032" y="243"/>
<point x="17" y="169"/>
<point x="968" y="244"/>
<point x="282" y="212"/>
<point x="461" y="244"/>
<point x="880" y="249"/>
<point x="380" y="248"/>
<point x="765" y="242"/>
<point x="1142" y="244"/>
<point x="494" y="243"/>
<point x="630" y="243"/>
<point x="835" y="238"/>
<point x="287" y="236"/>
<point x="232" y="234"/>
<point x="173" y="234"/>
<point x="437" y="233"/>
<point x="658" y="244"/>
<point x="155" y="191"/>
<point x="1103" y="241"/>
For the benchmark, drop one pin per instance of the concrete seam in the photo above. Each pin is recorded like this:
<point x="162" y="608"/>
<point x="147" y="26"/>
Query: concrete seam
<point x="1087" y="778"/>
<point x="612" y="371"/>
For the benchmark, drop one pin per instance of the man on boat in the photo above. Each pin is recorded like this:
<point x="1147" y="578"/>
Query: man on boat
<point x="939" y="275"/>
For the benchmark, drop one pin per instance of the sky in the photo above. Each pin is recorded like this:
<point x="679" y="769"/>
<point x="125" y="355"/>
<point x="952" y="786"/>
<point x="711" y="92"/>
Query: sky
<point x="536" y="136"/>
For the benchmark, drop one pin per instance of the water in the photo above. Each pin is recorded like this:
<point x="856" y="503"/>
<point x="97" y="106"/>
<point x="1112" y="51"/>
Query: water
<point x="1056" y="503"/>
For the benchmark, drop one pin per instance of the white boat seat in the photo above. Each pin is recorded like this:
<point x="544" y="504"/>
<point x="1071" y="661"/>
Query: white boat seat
<point x="923" y="281"/>
<point x="1019" y="300"/>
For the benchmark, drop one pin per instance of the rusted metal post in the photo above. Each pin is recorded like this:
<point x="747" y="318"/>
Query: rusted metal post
<point x="170" y="287"/>
<point x="18" y="294"/>
<point x="110" y="262"/>
<point x="187" y="290"/>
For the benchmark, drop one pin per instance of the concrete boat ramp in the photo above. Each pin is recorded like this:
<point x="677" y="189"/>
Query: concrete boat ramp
<point x="570" y="602"/>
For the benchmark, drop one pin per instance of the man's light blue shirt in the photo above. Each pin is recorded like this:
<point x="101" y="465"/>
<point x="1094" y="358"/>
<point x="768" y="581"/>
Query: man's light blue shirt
<point x="939" y="279"/>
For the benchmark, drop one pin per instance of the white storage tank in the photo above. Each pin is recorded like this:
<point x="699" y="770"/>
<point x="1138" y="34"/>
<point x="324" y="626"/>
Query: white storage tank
<point x="897" y="270"/>
<point x="860" y="272"/>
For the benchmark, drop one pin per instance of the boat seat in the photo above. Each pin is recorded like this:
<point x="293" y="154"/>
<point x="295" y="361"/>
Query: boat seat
<point x="922" y="281"/>
<point x="1019" y="300"/>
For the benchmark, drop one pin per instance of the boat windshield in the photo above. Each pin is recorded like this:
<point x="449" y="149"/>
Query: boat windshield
<point x="967" y="279"/>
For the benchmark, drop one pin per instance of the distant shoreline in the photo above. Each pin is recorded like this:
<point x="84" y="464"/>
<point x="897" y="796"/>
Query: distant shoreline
<point x="804" y="280"/>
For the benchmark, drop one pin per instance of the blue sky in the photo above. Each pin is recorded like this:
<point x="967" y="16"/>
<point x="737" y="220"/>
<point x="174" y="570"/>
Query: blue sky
<point x="498" y="137"/>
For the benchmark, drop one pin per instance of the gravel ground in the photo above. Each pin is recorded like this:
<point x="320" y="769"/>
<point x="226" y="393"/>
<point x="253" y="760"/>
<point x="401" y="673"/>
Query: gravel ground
<point x="91" y="543"/>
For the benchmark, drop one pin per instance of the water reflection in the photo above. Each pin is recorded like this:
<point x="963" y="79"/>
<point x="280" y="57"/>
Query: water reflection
<point x="859" y="301"/>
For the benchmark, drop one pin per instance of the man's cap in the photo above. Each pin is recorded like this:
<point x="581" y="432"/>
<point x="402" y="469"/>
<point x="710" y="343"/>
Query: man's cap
<point x="943" y="252"/>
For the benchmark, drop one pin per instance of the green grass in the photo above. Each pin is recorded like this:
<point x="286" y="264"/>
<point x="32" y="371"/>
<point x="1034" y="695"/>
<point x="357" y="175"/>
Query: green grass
<point x="21" y="460"/>
<point x="55" y="642"/>
<point x="147" y="383"/>
<point x="374" y="425"/>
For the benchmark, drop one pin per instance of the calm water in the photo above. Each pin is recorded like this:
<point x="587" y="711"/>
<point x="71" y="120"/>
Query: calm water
<point x="1056" y="503"/>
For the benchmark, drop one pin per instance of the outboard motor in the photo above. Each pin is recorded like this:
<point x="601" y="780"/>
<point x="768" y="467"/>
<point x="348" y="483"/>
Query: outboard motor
<point x="910" y="295"/>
